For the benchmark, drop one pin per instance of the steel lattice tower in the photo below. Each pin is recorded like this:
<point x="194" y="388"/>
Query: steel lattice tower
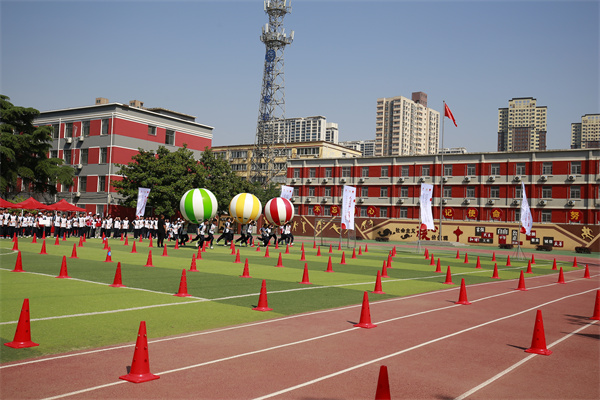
<point x="271" y="114"/>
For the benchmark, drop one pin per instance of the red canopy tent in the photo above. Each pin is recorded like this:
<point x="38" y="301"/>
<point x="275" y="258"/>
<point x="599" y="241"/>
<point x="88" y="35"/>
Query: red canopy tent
<point x="31" y="204"/>
<point x="7" y="204"/>
<point x="64" y="205"/>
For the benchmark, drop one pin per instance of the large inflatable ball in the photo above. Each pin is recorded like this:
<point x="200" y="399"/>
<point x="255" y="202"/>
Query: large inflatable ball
<point x="245" y="207"/>
<point x="278" y="211"/>
<point x="196" y="205"/>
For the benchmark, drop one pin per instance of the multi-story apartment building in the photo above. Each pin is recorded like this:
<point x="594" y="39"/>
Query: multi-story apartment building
<point x="522" y="125"/>
<point x="586" y="134"/>
<point x="366" y="147"/>
<point x="93" y="139"/>
<point x="308" y="129"/>
<point x="405" y="126"/>
<point x="240" y="156"/>
<point x="473" y="190"/>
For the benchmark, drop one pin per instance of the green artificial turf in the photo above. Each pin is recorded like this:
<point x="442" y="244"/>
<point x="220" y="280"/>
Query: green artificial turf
<point x="84" y="312"/>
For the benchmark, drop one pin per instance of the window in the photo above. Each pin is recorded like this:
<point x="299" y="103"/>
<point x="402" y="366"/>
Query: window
<point x="83" y="184"/>
<point x="404" y="191"/>
<point x="470" y="191"/>
<point x="328" y="172"/>
<point x="311" y="211"/>
<point x="326" y="211"/>
<point x="327" y="191"/>
<point x="518" y="192"/>
<point x="405" y="170"/>
<point x="170" y="137"/>
<point x="448" y="191"/>
<point x="364" y="191"/>
<point x="311" y="191"/>
<point x="575" y="192"/>
<point x="495" y="169"/>
<point x="384" y="172"/>
<point x="383" y="191"/>
<point x="102" y="183"/>
<point x="53" y="153"/>
<point x="364" y="172"/>
<point x="237" y="153"/>
<point x="296" y="172"/>
<point x="103" y="155"/>
<point x="84" y="156"/>
<point x="363" y="212"/>
<point x="517" y="215"/>
<point x="546" y="215"/>
<point x="495" y="191"/>
<point x="296" y="191"/>
<point x="520" y="169"/>
<point x="312" y="173"/>
<point x="470" y="169"/>
<point x="547" y="192"/>
<point x="346" y="172"/>
<point x="575" y="167"/>
<point x="307" y="151"/>
<point x="425" y="169"/>
<point x="67" y="154"/>
<point x="104" y="128"/>
<point x="69" y="130"/>
<point x="151" y="130"/>
<point x="239" y="167"/>
<point x="383" y="211"/>
<point x="403" y="212"/>
<point x="55" y="131"/>
<point x="85" y="126"/>
<point x="448" y="170"/>
<point x="296" y="209"/>
<point x="547" y="168"/>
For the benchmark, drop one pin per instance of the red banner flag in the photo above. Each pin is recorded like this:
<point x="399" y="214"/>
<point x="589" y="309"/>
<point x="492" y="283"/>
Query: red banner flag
<point x="448" y="113"/>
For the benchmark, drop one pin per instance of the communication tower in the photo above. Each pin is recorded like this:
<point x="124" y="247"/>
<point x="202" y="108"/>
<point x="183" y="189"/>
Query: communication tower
<point x="271" y="114"/>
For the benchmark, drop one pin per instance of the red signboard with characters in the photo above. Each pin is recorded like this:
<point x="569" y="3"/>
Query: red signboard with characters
<point x="371" y="211"/>
<point x="473" y="239"/>
<point x="317" y="209"/>
<point x="472" y="213"/>
<point x="449" y="212"/>
<point x="558" y="243"/>
<point x="335" y="210"/>
<point x="574" y="216"/>
<point x="497" y="213"/>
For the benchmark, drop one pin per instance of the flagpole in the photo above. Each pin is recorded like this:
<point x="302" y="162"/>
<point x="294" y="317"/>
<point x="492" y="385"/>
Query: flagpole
<point x="442" y="171"/>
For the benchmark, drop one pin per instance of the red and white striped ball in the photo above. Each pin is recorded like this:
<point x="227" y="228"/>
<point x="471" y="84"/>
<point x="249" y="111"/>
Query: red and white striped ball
<point x="279" y="211"/>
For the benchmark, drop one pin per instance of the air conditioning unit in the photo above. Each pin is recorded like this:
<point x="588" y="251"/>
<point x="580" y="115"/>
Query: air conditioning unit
<point x="79" y="166"/>
<point x="360" y="200"/>
<point x="343" y="180"/>
<point x="325" y="199"/>
<point x="400" y="201"/>
<point x="444" y="201"/>
<point x="325" y="180"/>
<point x="543" y="178"/>
<point x="467" y="179"/>
<point x="445" y="179"/>
<point x="69" y="140"/>
<point x="517" y="178"/>
<point x="361" y="180"/>
<point x="81" y="138"/>
<point x="401" y="179"/>
<point x="308" y="180"/>
<point x="421" y="179"/>
<point x="570" y="203"/>
<point x="293" y="180"/>
<point x="543" y="202"/>
<point x="515" y="202"/>
<point x="309" y="199"/>
<point x="571" y="177"/>
<point x="492" y="178"/>
<point x="78" y="194"/>
<point x="467" y="201"/>
<point x="294" y="199"/>
<point x="490" y="201"/>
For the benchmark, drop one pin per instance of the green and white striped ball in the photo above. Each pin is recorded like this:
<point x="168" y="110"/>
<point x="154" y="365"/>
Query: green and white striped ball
<point x="196" y="205"/>
<point x="245" y="207"/>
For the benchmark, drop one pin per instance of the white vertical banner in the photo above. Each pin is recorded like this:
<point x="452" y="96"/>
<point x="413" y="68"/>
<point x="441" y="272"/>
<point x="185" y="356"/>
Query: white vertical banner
<point x="425" y="200"/>
<point x="286" y="192"/>
<point x="142" y="199"/>
<point x="348" y="204"/>
<point x="526" y="218"/>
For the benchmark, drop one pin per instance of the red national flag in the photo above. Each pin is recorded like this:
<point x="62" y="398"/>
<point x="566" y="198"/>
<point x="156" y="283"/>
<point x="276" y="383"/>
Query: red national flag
<point x="448" y="113"/>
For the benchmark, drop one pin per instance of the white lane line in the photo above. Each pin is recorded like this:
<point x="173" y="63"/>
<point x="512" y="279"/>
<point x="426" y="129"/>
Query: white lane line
<point x="292" y="388"/>
<point x="518" y="364"/>
<point x="326" y="336"/>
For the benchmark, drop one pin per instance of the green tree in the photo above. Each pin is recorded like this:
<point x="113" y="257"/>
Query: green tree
<point x="24" y="152"/>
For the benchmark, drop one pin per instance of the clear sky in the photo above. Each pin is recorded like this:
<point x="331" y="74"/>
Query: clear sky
<point x="205" y="58"/>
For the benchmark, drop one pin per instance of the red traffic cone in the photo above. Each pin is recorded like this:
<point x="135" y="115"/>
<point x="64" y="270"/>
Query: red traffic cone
<point x="122" y="237"/>
<point x="277" y="245"/>
<point x="495" y="274"/>
<point x="574" y="262"/>
<point x="18" y="263"/>
<point x="140" y="239"/>
<point x="303" y="256"/>
<point x="56" y="242"/>
<point x="494" y="256"/>
<point x="80" y="242"/>
<point x="365" y="314"/>
<point x="118" y="282"/>
<point x="329" y="266"/>
<point x="533" y="258"/>
<point x="596" y="315"/>
<point x="258" y="248"/>
<point x="305" y="280"/>
<point x="383" y="385"/>
<point x="466" y="258"/>
<point x="108" y="256"/>
<point x="140" y="366"/>
<point x="63" y="269"/>
<point x="384" y="270"/>
<point x="302" y="247"/>
<point x="508" y="261"/>
<point x="319" y="251"/>
<point x="478" y="266"/>
<point x="538" y="341"/>
<point x="263" y="304"/>
<point x="457" y="254"/>
<point x="149" y="261"/>
<point x="279" y="261"/>
<point x="126" y="241"/>
<point x="438" y="269"/>
<point x="432" y="261"/>
<point x="366" y="248"/>
<point x="529" y="271"/>
<point x="103" y="237"/>
<point x="586" y="274"/>
<point x="360" y="250"/>
<point x="330" y="249"/>
<point x="287" y="249"/>
<point x="389" y="262"/>
<point x="43" y="251"/>
<point x="74" y="252"/>
<point x="22" y="337"/>
<point x="343" y="262"/>
<point x="448" y="280"/>
<point x="522" y="282"/>
<point x="193" y="267"/>
<point x="44" y="234"/>
<point x="105" y="244"/>
<point x="378" y="289"/>
<point x="394" y="251"/>
<point x="182" y="286"/>
<point x="133" y="248"/>
<point x="426" y="254"/>
<point x="15" y="244"/>
<point x="353" y="253"/>
<point x="232" y="248"/>
<point x="199" y="254"/>
<point x="314" y="244"/>
<point x="246" y="273"/>
<point x="339" y="246"/>
<point x="554" y="265"/>
<point x="561" y="276"/>
<point x="267" y="252"/>
<point x="164" y="254"/>
<point x="204" y="245"/>
<point x="237" y="258"/>
<point x="462" y="297"/>
<point x="64" y="237"/>
<point x="150" y="244"/>
<point x="34" y="240"/>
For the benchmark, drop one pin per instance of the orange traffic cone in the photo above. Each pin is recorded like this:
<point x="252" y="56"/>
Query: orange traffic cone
<point x="457" y="254"/>
<point x="508" y="261"/>
<point x="279" y="261"/>
<point x="574" y="262"/>
<point x="360" y="250"/>
<point x="478" y="265"/>
<point x="18" y="263"/>
<point x="426" y="254"/>
<point x="319" y="251"/>
<point x="365" y="314"/>
<point x="74" y="252"/>
<point x="586" y="274"/>
<point x="329" y="266"/>
<point x="118" y="282"/>
<point x="554" y="265"/>
<point x="378" y="289"/>
<point x="149" y="261"/>
<point x="34" y="240"/>
<point x="164" y="254"/>
<point x="538" y="341"/>
<point x="63" y="269"/>
<point x="383" y="385"/>
<point x="522" y="282"/>
<point x="140" y="366"/>
<point x="305" y="280"/>
<point x="237" y="258"/>
<point x="438" y="269"/>
<point x="343" y="262"/>
<point x="246" y="272"/>
<point x="183" y="286"/>
<point x="22" y="337"/>
<point x="193" y="267"/>
<point x="303" y="256"/>
<point x="561" y="276"/>
<point x="267" y="252"/>
<point x="384" y="270"/>
<point x="494" y="256"/>
<point x="448" y="280"/>
<point x="596" y="315"/>
<point x="133" y="248"/>
<point x="529" y="267"/>
<point x="108" y="256"/>
<point x="462" y="297"/>
<point x="466" y="258"/>
<point x="353" y="253"/>
<point x="263" y="304"/>
<point x="495" y="274"/>
<point x="43" y="251"/>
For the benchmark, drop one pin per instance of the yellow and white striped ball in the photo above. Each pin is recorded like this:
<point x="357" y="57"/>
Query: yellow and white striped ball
<point x="245" y="207"/>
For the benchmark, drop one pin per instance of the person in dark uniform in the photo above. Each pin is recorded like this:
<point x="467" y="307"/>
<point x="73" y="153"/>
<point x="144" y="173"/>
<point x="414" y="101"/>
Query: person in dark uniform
<point x="162" y="231"/>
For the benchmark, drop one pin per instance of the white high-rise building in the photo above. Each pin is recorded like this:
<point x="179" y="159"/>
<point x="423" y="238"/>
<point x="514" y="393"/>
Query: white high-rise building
<point x="366" y="147"/>
<point x="586" y="134"/>
<point x="522" y="125"/>
<point x="309" y="129"/>
<point x="406" y="127"/>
